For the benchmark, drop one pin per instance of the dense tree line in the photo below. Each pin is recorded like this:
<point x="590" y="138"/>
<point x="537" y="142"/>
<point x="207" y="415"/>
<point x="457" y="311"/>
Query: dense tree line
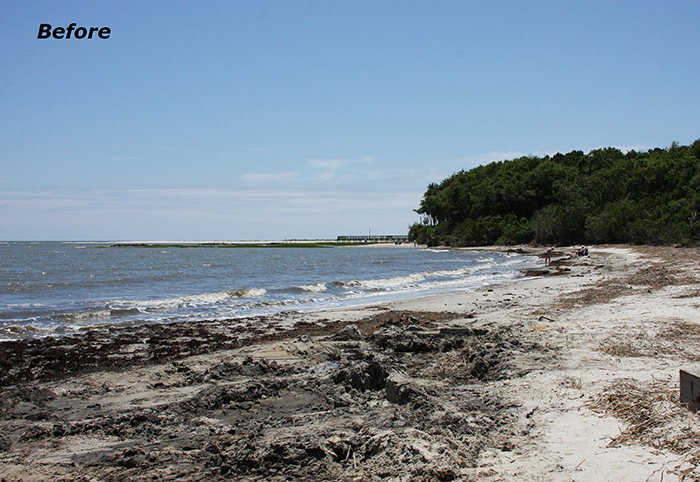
<point x="604" y="196"/>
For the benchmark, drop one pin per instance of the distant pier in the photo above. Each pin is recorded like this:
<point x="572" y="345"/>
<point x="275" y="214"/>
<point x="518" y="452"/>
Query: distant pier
<point x="374" y="238"/>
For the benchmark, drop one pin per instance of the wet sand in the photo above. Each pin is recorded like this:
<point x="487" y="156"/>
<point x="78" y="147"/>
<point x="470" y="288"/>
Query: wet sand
<point x="571" y="375"/>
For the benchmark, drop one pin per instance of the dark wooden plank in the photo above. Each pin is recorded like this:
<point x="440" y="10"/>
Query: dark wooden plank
<point x="690" y="391"/>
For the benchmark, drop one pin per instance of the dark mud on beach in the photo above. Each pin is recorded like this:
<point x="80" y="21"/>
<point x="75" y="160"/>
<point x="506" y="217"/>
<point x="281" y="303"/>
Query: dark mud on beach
<point x="395" y="396"/>
<point x="51" y="358"/>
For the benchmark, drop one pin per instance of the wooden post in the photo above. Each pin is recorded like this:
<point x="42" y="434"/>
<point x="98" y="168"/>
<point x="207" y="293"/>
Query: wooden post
<point x="690" y="391"/>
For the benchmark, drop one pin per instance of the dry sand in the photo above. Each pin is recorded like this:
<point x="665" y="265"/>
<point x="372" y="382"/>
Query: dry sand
<point x="567" y="376"/>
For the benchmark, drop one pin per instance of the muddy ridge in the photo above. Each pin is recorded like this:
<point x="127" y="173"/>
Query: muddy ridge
<point x="395" y="395"/>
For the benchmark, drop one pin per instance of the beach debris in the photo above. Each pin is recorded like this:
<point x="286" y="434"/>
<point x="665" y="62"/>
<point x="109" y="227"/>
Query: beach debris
<point x="654" y="416"/>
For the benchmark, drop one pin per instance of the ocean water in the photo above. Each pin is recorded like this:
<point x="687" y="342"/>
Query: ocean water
<point x="53" y="288"/>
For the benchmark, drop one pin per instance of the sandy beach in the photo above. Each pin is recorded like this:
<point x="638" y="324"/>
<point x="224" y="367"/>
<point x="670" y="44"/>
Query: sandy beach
<point x="571" y="374"/>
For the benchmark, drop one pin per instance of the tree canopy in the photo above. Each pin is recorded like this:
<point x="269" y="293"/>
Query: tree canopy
<point x="604" y="196"/>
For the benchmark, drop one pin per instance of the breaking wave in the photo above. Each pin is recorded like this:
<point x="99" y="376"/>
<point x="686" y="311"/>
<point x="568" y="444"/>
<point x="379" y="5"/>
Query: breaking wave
<point x="314" y="288"/>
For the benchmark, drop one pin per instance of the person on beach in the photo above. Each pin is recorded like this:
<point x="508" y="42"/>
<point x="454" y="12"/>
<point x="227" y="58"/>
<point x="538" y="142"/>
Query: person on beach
<point x="548" y="256"/>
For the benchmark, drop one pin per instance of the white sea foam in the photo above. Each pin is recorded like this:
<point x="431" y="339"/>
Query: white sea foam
<point x="414" y="278"/>
<point x="203" y="299"/>
<point x="393" y="282"/>
<point x="251" y="293"/>
<point x="315" y="288"/>
<point x="86" y="316"/>
<point x="485" y="260"/>
<point x="13" y="332"/>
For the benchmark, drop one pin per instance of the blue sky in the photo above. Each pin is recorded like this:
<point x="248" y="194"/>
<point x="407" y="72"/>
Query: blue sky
<point x="309" y="119"/>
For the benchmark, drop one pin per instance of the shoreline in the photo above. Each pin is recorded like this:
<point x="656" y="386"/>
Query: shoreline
<point x="75" y="315"/>
<point x="503" y="383"/>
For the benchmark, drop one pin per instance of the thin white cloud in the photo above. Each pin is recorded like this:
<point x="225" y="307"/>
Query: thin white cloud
<point x="269" y="177"/>
<point x="216" y="199"/>
<point x="327" y="163"/>
<point x="199" y="213"/>
<point x="335" y="163"/>
<point x="329" y="167"/>
<point x="325" y="176"/>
